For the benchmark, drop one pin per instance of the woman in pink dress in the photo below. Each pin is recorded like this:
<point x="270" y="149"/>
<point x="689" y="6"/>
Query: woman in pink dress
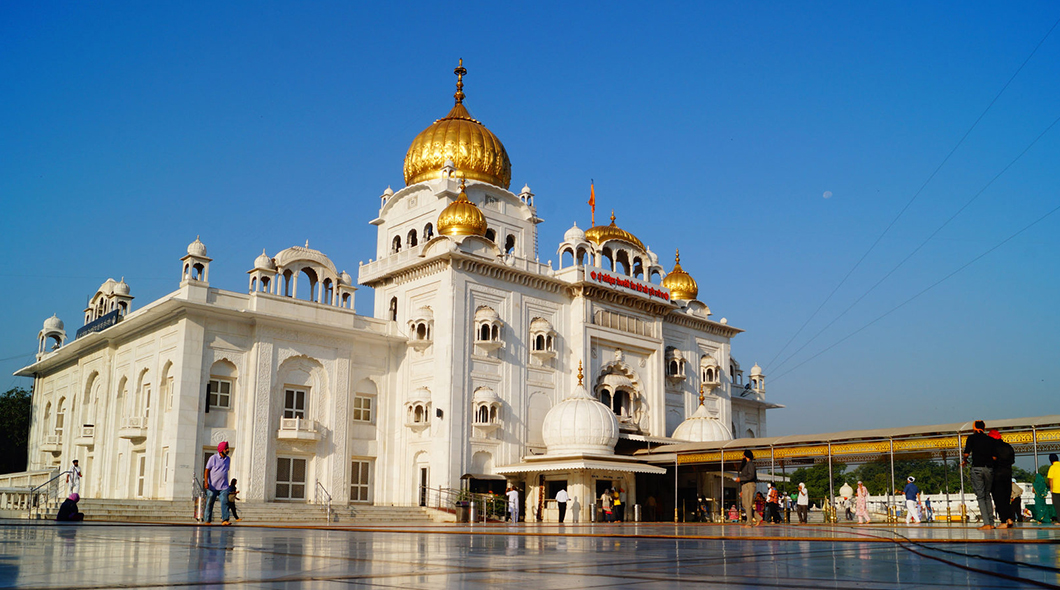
<point x="862" y="504"/>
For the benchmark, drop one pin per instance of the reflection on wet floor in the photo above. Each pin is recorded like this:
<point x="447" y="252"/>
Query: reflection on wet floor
<point x="91" y="555"/>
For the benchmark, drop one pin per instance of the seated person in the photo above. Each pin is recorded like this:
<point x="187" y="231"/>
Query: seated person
<point x="68" y="511"/>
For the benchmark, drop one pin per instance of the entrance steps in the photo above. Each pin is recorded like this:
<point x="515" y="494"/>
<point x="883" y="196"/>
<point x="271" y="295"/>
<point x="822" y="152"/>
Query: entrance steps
<point x="182" y="511"/>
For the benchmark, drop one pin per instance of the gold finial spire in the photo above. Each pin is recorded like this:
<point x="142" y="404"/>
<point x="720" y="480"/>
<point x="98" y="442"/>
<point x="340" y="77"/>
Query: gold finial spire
<point x="677" y="257"/>
<point x="463" y="193"/>
<point x="701" y="394"/>
<point x="460" y="72"/>
<point x="612" y="216"/>
<point x="580" y="373"/>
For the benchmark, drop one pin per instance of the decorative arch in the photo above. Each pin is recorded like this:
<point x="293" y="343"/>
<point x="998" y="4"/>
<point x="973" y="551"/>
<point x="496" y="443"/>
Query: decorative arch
<point x="297" y="372"/>
<point x="619" y="387"/>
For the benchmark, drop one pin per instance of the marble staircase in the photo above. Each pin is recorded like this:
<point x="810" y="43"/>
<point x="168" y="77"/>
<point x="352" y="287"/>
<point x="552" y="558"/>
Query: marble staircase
<point x="182" y="511"/>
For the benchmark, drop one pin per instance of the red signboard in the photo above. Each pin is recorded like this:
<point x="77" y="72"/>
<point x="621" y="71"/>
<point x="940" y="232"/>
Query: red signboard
<point x="632" y="285"/>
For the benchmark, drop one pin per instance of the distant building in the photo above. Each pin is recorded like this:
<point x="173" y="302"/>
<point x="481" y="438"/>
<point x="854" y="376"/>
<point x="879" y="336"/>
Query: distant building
<point x="469" y="372"/>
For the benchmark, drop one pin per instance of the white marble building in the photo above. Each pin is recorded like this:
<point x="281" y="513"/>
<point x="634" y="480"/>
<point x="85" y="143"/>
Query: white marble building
<point x="474" y="348"/>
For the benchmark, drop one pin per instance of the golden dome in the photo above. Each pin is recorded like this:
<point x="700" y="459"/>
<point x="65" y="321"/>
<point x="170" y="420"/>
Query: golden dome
<point x="474" y="150"/>
<point x="681" y="284"/>
<point x="461" y="218"/>
<point x="602" y="233"/>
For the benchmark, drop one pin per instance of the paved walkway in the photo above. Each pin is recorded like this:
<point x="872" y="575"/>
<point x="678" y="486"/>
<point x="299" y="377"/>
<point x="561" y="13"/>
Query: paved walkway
<point x="527" y="557"/>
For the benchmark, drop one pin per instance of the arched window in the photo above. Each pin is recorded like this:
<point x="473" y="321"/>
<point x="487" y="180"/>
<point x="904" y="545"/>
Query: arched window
<point x="393" y="309"/>
<point x="491" y="235"/>
<point x="395" y="246"/>
<point x="622" y="262"/>
<point x="428" y="232"/>
<point x="509" y="244"/>
<point x="539" y="342"/>
<point x="410" y="240"/>
<point x="483" y="415"/>
<point x="609" y="257"/>
<point x="484" y="333"/>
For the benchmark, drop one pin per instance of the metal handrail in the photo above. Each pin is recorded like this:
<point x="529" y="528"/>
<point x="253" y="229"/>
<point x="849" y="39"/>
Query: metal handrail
<point x="320" y="489"/>
<point x="50" y="495"/>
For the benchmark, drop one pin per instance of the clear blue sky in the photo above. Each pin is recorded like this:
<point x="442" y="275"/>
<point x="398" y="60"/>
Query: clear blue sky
<point x="126" y="129"/>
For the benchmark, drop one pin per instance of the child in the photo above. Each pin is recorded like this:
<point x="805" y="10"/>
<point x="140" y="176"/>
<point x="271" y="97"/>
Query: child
<point x="232" y="491"/>
<point x="733" y="514"/>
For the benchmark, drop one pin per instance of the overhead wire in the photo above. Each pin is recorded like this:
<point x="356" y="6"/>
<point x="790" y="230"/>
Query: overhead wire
<point x="923" y="243"/>
<point x="923" y="291"/>
<point x="901" y="212"/>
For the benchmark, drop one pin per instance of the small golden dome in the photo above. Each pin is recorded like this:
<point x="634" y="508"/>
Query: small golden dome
<point x="681" y="284"/>
<point x="461" y="217"/>
<point x="602" y="233"/>
<point x="474" y="150"/>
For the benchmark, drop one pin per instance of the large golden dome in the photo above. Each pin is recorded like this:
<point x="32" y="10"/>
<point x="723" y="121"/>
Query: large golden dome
<point x="474" y="150"/>
<point x="681" y="284"/>
<point x="461" y="218"/>
<point x="601" y="233"/>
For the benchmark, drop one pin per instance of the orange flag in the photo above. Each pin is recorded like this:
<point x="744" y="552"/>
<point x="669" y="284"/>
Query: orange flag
<point x="592" y="200"/>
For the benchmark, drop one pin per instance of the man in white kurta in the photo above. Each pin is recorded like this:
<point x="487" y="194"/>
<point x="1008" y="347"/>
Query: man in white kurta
<point x="513" y="504"/>
<point x="561" y="502"/>
<point x="73" y="479"/>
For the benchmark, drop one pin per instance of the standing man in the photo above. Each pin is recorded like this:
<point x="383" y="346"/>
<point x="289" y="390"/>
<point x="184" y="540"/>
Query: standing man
<point x="748" y="479"/>
<point x="1004" y="457"/>
<point x="216" y="478"/>
<point x="1053" y="478"/>
<point x="513" y="504"/>
<point x="561" y="502"/>
<point x="73" y="479"/>
<point x="802" y="504"/>
<point x="912" y="501"/>
<point x="980" y="448"/>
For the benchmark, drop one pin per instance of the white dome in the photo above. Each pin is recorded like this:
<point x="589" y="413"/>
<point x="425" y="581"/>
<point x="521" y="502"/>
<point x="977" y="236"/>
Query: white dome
<point x="846" y="491"/>
<point x="346" y="278"/>
<point x="485" y="395"/>
<point x="486" y="314"/>
<point x="574" y="234"/>
<point x="756" y="370"/>
<point x="121" y="288"/>
<point x="264" y="262"/>
<point x="107" y="288"/>
<point x="580" y="425"/>
<point x="197" y="248"/>
<point x="526" y="190"/>
<point x="53" y="323"/>
<point x="702" y="427"/>
<point x="389" y="192"/>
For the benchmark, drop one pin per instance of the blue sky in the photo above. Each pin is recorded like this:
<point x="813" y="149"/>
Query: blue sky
<point x="128" y="129"/>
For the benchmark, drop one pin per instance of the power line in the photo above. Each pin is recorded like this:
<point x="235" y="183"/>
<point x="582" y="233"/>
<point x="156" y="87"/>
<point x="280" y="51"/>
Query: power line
<point x="924" y="243"/>
<point x="914" y="197"/>
<point x="925" y="290"/>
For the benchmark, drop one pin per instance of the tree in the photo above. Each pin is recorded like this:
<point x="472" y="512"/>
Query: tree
<point x="932" y="477"/>
<point x="816" y="478"/>
<point x="15" y="408"/>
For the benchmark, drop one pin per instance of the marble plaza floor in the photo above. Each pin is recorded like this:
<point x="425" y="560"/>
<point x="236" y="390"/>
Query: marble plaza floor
<point x="36" y="554"/>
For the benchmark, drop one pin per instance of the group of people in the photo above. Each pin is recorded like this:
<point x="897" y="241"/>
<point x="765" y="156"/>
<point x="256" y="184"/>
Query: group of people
<point x="613" y="504"/>
<point x="991" y="473"/>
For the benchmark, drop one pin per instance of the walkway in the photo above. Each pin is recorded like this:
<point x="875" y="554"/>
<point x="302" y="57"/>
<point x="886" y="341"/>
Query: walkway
<point x="536" y="557"/>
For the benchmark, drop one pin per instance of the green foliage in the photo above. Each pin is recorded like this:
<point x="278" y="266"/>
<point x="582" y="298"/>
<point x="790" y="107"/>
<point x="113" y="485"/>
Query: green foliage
<point x="816" y="478"/>
<point x="1022" y="475"/>
<point x="15" y="406"/>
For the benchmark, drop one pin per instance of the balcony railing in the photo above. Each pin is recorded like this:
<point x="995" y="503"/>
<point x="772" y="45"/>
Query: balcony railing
<point x="133" y="427"/>
<point x="298" y="429"/>
<point x="87" y="436"/>
<point x="52" y="443"/>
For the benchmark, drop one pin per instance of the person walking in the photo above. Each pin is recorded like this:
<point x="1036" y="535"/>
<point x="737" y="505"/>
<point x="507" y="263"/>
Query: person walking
<point x="73" y="479"/>
<point x="929" y="512"/>
<point x="606" y="505"/>
<point x="1043" y="513"/>
<point x="216" y="478"/>
<point x="232" y="491"/>
<point x="980" y="448"/>
<point x="513" y="504"/>
<point x="802" y="504"/>
<point x="772" y="505"/>
<point x="561" y="502"/>
<point x="1053" y="477"/>
<point x="861" y="502"/>
<point x="617" y="506"/>
<point x="748" y="479"/>
<point x="912" y="501"/>
<point x="1001" y="491"/>
<point x="1015" y="501"/>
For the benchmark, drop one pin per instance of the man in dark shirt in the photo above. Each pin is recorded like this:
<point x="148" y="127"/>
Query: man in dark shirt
<point x="1004" y="457"/>
<point x="980" y="448"/>
<point x="748" y="480"/>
